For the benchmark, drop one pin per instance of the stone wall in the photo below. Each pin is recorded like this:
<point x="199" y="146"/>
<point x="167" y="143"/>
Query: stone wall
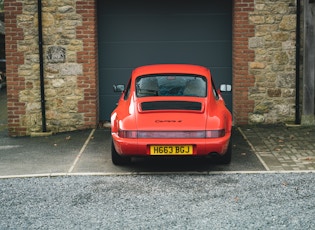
<point x="70" y="75"/>
<point x="263" y="63"/>
<point x="274" y="64"/>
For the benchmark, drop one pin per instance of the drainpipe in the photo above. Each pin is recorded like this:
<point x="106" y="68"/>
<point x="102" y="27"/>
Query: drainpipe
<point x="297" y="63"/>
<point x="41" y="65"/>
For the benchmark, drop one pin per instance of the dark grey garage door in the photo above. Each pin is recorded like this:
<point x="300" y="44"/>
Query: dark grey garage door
<point x="140" y="32"/>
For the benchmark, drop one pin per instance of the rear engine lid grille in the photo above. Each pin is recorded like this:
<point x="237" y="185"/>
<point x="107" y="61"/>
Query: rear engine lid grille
<point x="171" y="105"/>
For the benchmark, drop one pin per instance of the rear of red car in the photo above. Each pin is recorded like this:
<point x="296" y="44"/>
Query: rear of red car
<point x="170" y="110"/>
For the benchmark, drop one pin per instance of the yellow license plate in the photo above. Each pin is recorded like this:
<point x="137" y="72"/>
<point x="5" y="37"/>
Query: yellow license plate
<point x="171" y="149"/>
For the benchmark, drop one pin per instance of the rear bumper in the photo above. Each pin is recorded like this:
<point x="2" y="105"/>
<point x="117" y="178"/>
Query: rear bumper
<point x="141" y="147"/>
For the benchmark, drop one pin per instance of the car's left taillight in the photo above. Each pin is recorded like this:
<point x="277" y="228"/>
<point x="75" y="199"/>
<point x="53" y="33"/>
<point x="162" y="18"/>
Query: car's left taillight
<point x="127" y="134"/>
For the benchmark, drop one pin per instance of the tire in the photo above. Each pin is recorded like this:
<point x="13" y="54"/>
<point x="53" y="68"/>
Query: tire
<point x="227" y="157"/>
<point x="118" y="159"/>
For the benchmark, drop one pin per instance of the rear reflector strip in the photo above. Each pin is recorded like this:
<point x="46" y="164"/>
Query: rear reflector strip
<point x="172" y="134"/>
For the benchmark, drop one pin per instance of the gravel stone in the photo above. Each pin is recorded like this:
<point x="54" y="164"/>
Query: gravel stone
<point x="224" y="201"/>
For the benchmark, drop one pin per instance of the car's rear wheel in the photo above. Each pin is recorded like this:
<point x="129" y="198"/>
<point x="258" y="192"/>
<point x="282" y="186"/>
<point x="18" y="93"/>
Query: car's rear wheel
<point x="227" y="157"/>
<point x="118" y="159"/>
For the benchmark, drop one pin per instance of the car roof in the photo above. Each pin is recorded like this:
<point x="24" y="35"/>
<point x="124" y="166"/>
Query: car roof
<point x="171" y="68"/>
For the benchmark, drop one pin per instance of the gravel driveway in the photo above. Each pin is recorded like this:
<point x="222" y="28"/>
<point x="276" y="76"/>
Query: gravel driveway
<point x="214" y="201"/>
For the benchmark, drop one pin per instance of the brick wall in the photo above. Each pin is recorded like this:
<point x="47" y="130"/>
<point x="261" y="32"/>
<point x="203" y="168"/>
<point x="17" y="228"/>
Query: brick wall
<point x="88" y="58"/>
<point x="2" y="37"/>
<point x="15" y="83"/>
<point x="242" y="55"/>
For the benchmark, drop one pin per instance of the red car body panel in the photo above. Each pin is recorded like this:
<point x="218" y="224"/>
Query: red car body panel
<point x="130" y="116"/>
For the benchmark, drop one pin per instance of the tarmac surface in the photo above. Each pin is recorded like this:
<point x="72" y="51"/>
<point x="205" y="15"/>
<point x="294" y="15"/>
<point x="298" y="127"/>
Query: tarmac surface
<point x="87" y="152"/>
<point x="255" y="148"/>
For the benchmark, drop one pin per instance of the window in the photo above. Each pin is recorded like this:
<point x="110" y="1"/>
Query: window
<point x="127" y="91"/>
<point x="214" y="90"/>
<point x="171" y="85"/>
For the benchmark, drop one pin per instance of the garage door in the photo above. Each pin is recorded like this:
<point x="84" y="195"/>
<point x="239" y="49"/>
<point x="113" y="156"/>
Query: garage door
<point x="136" y="33"/>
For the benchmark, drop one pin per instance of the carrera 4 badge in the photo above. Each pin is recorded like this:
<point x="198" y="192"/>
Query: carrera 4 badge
<point x="167" y="121"/>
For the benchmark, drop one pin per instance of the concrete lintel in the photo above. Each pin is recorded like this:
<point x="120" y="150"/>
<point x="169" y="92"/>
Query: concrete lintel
<point x="41" y="134"/>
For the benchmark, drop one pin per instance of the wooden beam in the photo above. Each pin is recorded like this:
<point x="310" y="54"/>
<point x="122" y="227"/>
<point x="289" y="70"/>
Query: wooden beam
<point x="308" y="112"/>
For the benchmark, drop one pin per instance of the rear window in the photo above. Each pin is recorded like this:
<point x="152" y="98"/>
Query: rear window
<point x="171" y="85"/>
<point x="171" y="105"/>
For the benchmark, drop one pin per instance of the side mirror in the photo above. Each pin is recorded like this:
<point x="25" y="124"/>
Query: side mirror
<point x="118" y="88"/>
<point x="225" y="88"/>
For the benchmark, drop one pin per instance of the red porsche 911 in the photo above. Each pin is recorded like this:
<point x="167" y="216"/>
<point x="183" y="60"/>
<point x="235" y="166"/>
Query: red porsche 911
<point x="170" y="110"/>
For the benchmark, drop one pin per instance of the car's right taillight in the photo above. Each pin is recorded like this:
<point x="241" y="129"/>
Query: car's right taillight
<point x="215" y="133"/>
